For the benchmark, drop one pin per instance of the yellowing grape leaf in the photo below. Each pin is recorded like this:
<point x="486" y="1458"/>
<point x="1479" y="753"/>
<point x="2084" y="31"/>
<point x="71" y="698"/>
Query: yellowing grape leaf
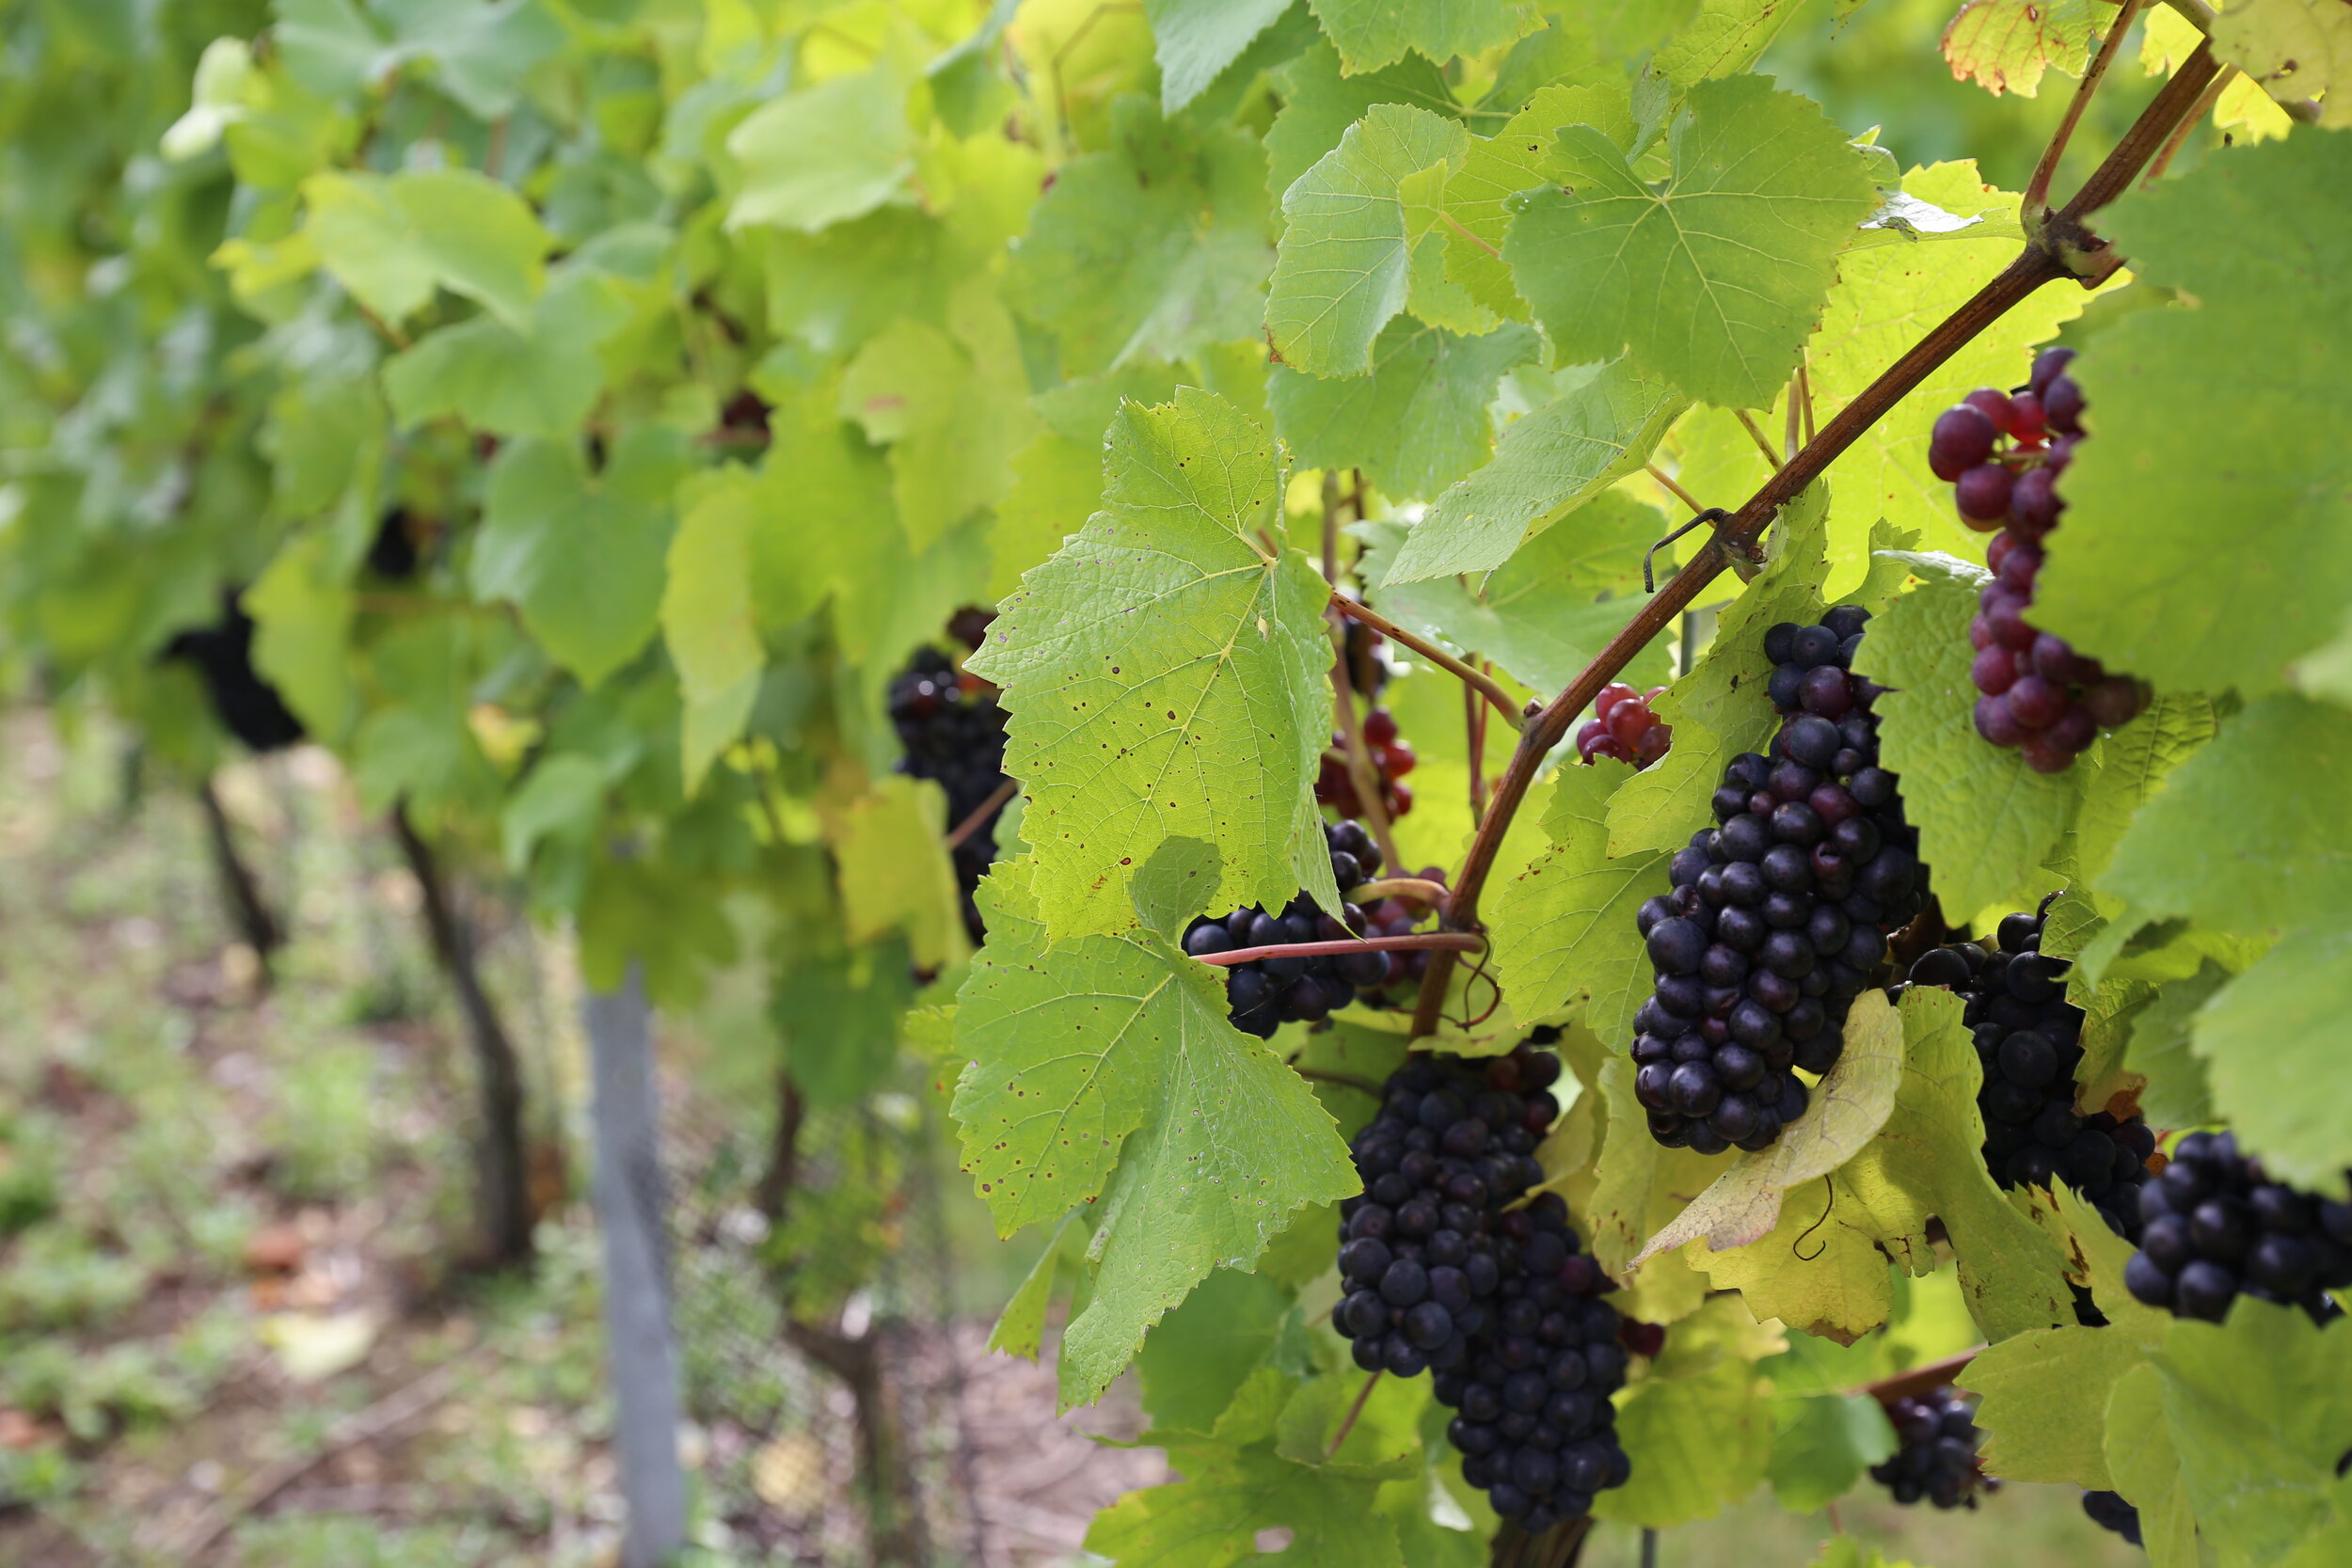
<point x="1109" y="1073"/>
<point x="2006" y="45"/>
<point x="708" y="615"/>
<point x="2293" y="49"/>
<point x="1164" y="677"/>
<point x="1713" y="278"/>
<point x="1847" y="1109"/>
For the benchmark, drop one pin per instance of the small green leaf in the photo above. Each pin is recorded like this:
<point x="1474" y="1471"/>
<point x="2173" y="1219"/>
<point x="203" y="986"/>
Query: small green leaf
<point x="302" y="610"/>
<point x="1151" y="250"/>
<point x="1821" y="1446"/>
<point x="1201" y="1353"/>
<point x="707" y="615"/>
<point x="1699" y="1427"/>
<point x="541" y="383"/>
<point x="1414" y="425"/>
<point x="894" y="873"/>
<point x="2272" y="1044"/>
<point x="1319" y="104"/>
<point x="392" y="240"/>
<point x="581" y="557"/>
<point x="1602" y="427"/>
<point x="1194" y="41"/>
<point x="1478" y="196"/>
<point x="826" y="153"/>
<point x="1374" y="33"/>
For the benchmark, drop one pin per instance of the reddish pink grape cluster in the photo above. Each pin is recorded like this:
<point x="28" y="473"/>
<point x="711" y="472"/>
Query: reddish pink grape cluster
<point x="1391" y="759"/>
<point x="2038" y="694"/>
<point x="1622" y="726"/>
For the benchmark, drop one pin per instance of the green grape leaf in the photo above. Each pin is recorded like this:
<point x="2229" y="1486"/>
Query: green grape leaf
<point x="1164" y="677"/>
<point x="2129" y="767"/>
<point x="1986" y="821"/>
<point x="895" y="874"/>
<point x="1712" y="281"/>
<point x="2006" y="45"/>
<point x="2271" y="1043"/>
<point x="1371" y="32"/>
<point x="581" y="556"/>
<point x="826" y="153"/>
<point x="332" y="48"/>
<point x="951" y="409"/>
<point x="1212" y="1518"/>
<point x="2177" y="1093"/>
<point x="1194" y="41"/>
<point x="1200" y="1355"/>
<point x="708" y="618"/>
<point x="1927" y="1161"/>
<point x="1563" y="925"/>
<point x="302" y="608"/>
<point x="2260" y="1410"/>
<point x="1319" y="104"/>
<point x="2139" y="581"/>
<point x="1601" y="427"/>
<point x="1021" y="1326"/>
<point x="636" y="912"/>
<point x="1478" y="194"/>
<point x="839" y="1014"/>
<point x="1848" y="1107"/>
<point x="2294" y="49"/>
<point x="2145" y="1467"/>
<point x="415" y="741"/>
<point x="1414" y="425"/>
<point x="1110" y="1072"/>
<point x="392" y="241"/>
<point x="1544" y="615"/>
<point x="1341" y="271"/>
<point x="1720" y="709"/>
<point x="1385" y="1438"/>
<point x="1726" y="37"/>
<point x="1821" y="1443"/>
<point x="542" y="383"/>
<point x="1699" y="1427"/>
<point x="1150" y="250"/>
<point x="2246" y="835"/>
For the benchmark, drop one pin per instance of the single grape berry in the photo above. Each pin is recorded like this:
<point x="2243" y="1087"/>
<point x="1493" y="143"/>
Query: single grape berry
<point x="1778" y="915"/>
<point x="1935" y="1461"/>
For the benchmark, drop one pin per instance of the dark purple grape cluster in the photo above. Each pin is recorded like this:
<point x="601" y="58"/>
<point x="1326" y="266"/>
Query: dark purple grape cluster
<point x="1936" y="1461"/>
<point x="953" y="733"/>
<point x="2038" y="694"/>
<point x="2217" y="1226"/>
<point x="1779" y="914"/>
<point x="2028" y="1037"/>
<point x="1266" y="993"/>
<point x="247" y="707"/>
<point x="2109" y="1512"/>
<point x="1498" y="1302"/>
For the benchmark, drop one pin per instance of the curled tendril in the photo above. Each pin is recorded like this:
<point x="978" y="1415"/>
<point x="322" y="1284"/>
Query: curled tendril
<point x="1796" y="1247"/>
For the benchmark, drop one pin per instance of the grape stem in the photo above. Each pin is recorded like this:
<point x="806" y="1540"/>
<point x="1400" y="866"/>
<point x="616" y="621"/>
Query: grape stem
<point x="2060" y="248"/>
<point x="1747" y="422"/>
<point x="1919" y="1380"/>
<point x="1434" y="942"/>
<point x="2038" y="187"/>
<point x="981" y="813"/>
<point x="1475" y="679"/>
<point x="1353" y="1412"/>
<point x="1420" y="889"/>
